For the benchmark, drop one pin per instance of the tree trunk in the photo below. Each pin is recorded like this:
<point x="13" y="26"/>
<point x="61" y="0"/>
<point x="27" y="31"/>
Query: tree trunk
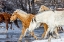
<point x="23" y="8"/>
<point x="29" y="6"/>
<point x="26" y="5"/>
<point x="33" y="7"/>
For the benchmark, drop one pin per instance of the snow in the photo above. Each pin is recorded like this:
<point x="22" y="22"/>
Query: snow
<point x="53" y="39"/>
<point x="2" y="30"/>
<point x="9" y="30"/>
<point x="38" y="33"/>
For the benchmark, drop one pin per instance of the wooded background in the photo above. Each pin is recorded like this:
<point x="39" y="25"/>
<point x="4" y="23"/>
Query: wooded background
<point x="29" y="6"/>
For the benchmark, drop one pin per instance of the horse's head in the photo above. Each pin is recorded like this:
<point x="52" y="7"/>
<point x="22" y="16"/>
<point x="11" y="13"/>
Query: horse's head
<point x="13" y="17"/>
<point x="43" y="8"/>
<point x="17" y="14"/>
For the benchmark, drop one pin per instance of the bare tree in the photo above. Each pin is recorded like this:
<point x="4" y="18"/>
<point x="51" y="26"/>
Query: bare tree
<point x="29" y="6"/>
<point x="33" y="6"/>
<point x="21" y="5"/>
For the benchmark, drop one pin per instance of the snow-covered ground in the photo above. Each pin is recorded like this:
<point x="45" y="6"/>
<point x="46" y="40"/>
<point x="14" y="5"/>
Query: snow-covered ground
<point x="3" y="29"/>
<point x="38" y="33"/>
<point x="52" y="40"/>
<point x="8" y="36"/>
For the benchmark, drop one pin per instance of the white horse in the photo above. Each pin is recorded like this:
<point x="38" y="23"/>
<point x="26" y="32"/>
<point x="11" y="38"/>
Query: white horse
<point x="52" y="18"/>
<point x="45" y="8"/>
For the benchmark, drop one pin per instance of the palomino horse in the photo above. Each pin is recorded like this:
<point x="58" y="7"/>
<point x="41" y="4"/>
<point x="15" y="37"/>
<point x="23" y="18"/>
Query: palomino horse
<point x="5" y="17"/>
<point x="25" y="18"/>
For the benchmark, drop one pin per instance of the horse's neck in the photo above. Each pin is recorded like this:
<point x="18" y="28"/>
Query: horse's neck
<point x="27" y="18"/>
<point x="30" y="17"/>
<point x="22" y="17"/>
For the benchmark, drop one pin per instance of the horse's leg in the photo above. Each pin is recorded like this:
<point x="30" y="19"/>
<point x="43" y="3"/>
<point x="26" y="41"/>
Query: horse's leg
<point x="24" y="30"/>
<point x="47" y="32"/>
<point x="11" y="27"/>
<point x="50" y="33"/>
<point x="6" y="26"/>
<point x="45" y="29"/>
<point x="32" y="34"/>
<point x="61" y="29"/>
<point x="49" y="39"/>
<point x="56" y="32"/>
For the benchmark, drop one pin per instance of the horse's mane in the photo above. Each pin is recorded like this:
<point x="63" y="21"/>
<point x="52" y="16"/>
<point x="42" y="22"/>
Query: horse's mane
<point x="20" y="11"/>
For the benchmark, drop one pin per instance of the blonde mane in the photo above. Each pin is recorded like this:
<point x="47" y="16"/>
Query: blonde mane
<point x="21" y="12"/>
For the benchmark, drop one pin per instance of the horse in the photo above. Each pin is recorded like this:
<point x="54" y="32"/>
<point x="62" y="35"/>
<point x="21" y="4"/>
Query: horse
<point x="25" y="18"/>
<point x="5" y="17"/>
<point x="52" y="18"/>
<point x="44" y="8"/>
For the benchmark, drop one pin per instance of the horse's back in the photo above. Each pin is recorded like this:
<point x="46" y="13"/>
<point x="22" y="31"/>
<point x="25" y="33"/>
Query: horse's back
<point x="45" y="14"/>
